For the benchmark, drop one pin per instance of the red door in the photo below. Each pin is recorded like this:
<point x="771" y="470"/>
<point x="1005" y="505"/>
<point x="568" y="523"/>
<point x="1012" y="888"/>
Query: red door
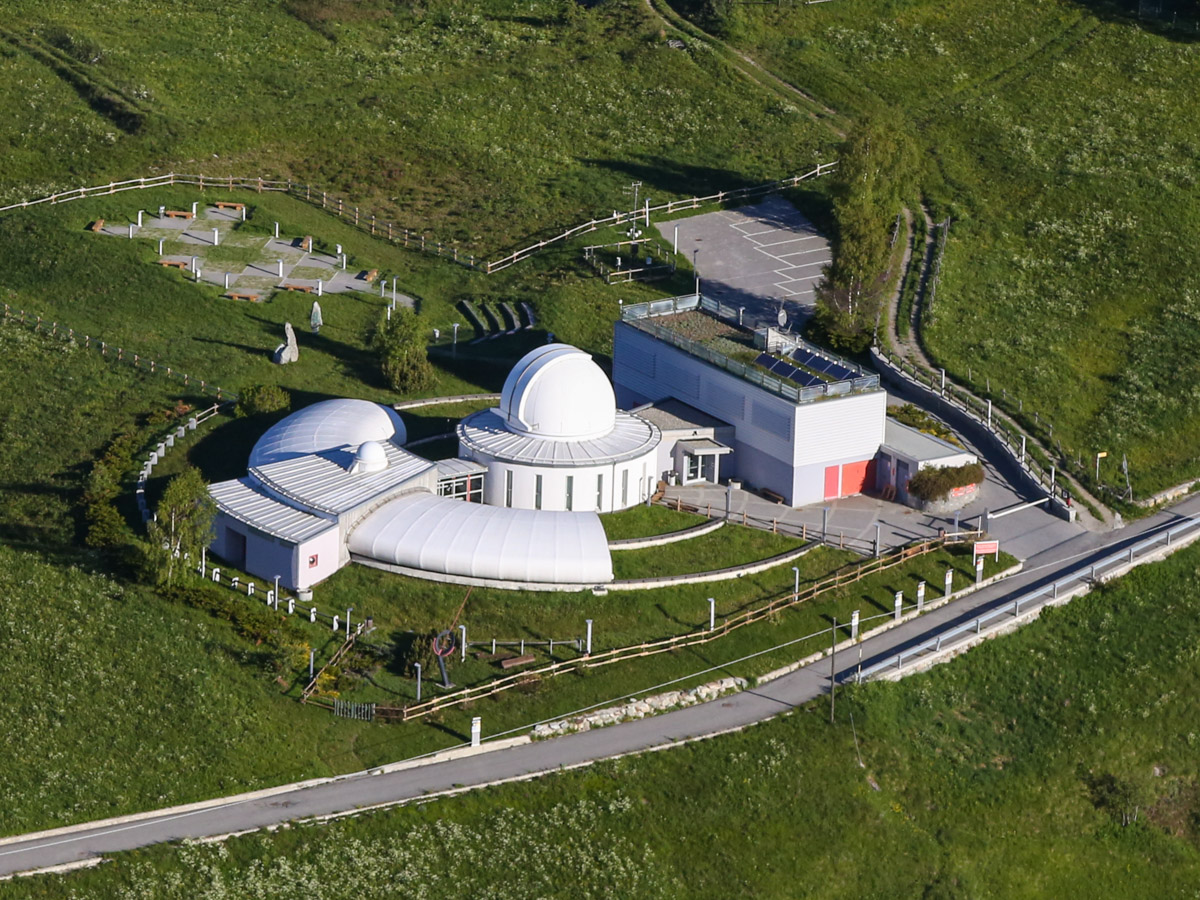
<point x="855" y="477"/>
<point x="833" y="482"/>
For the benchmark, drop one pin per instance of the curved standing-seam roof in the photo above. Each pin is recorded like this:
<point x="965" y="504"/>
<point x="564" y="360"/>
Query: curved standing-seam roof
<point x="437" y="534"/>
<point x="557" y="392"/>
<point x="328" y="425"/>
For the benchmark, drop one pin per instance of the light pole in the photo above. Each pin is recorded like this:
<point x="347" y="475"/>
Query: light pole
<point x="877" y="527"/>
<point x="350" y="610"/>
<point x="696" y="271"/>
<point x="1099" y="456"/>
<point x="417" y="666"/>
<point x="796" y="587"/>
<point x="712" y="613"/>
<point x="454" y="345"/>
<point x="824" y="524"/>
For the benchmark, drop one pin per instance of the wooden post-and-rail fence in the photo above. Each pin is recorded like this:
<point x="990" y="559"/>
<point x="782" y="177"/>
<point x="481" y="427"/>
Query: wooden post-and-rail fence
<point x="138" y="361"/>
<point x="370" y="223"/>
<point x="775" y="604"/>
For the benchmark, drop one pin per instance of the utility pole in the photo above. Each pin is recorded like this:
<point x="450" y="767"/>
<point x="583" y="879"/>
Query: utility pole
<point x="833" y="671"/>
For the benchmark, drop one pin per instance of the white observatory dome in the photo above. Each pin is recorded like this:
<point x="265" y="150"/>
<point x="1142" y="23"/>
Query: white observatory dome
<point x="328" y="425"/>
<point x="369" y="457"/>
<point x="557" y="392"/>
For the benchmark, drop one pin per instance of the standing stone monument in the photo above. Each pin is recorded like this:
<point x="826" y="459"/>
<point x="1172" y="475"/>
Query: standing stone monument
<point x="288" y="351"/>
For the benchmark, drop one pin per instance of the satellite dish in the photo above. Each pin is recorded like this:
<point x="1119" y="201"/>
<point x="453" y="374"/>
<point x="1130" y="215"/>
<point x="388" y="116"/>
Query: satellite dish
<point x="781" y="318"/>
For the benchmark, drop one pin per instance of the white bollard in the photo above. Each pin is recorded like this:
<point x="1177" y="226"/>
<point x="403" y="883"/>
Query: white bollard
<point x="949" y="583"/>
<point x="588" y="650"/>
<point x="234" y="584"/>
<point x="270" y="597"/>
<point x="250" y="589"/>
<point x="141" y="212"/>
<point x="920" y="596"/>
<point x="276" y="229"/>
<point x="381" y="288"/>
<point x="463" y="632"/>
<point x="194" y="210"/>
<point x="131" y="231"/>
<point x="243" y="214"/>
<point x="854" y="625"/>
<point x="280" y="262"/>
<point x="291" y="605"/>
<point x="216" y="575"/>
<point x="978" y="569"/>
<point x="312" y="614"/>
<point x="161" y="241"/>
<point x="343" y="262"/>
<point x="336" y="623"/>
<point x="319" y="287"/>
<point x="216" y="237"/>
<point x="162" y="211"/>
<point x="476" y="730"/>
<point x="195" y="262"/>
<point x="226" y="281"/>
<point x="899" y="603"/>
<point x="712" y="613"/>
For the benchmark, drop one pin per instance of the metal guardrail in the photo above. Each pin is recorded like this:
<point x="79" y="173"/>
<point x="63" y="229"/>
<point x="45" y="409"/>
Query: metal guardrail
<point x="639" y="315"/>
<point x="1090" y="574"/>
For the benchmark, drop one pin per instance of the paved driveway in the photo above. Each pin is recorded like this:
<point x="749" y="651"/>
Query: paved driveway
<point x="757" y="256"/>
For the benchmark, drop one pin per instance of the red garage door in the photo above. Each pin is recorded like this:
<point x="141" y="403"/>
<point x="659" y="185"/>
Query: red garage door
<point x="833" y="482"/>
<point x="856" y="477"/>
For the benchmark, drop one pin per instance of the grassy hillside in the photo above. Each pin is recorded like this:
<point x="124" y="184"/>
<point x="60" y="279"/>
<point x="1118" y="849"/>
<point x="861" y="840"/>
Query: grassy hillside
<point x="1059" y="137"/>
<point x="1006" y="773"/>
<point x="483" y="120"/>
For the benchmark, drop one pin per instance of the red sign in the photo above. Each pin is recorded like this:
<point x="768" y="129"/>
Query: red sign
<point x="984" y="547"/>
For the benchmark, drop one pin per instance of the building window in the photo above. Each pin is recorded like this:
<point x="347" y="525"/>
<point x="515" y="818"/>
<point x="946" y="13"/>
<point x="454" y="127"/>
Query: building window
<point x="691" y="468"/>
<point x="624" y="487"/>
<point x="537" y="492"/>
<point x="508" y="487"/>
<point x="570" y="492"/>
<point x="462" y="487"/>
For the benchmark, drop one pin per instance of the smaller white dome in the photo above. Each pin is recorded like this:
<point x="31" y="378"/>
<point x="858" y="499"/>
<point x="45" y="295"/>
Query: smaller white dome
<point x="369" y="457"/>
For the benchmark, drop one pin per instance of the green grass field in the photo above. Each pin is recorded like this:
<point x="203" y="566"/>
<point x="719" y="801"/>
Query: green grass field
<point x="1057" y="135"/>
<point x="1005" y="773"/>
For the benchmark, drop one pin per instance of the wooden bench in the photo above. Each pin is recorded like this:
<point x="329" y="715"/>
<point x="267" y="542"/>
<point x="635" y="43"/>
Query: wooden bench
<point x="770" y="495"/>
<point x="96" y="226"/>
<point x="234" y="295"/>
<point x="513" y="661"/>
<point x="298" y="287"/>
<point x="229" y="204"/>
<point x="371" y="276"/>
<point x="179" y="214"/>
<point x="173" y="264"/>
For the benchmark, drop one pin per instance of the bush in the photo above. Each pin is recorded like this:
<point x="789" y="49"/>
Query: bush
<point x="937" y="482"/>
<point x="263" y="398"/>
<point x="403" y="357"/>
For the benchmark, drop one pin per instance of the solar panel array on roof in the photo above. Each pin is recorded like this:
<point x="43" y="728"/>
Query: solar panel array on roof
<point x="781" y="369"/>
<point x="834" y="370"/>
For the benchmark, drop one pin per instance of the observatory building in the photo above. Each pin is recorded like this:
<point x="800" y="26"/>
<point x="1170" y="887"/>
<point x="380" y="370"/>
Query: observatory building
<point x="558" y="442"/>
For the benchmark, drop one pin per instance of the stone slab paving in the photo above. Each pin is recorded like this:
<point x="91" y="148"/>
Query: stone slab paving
<point x="260" y="276"/>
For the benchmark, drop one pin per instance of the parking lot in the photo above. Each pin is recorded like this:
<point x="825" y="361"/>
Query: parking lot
<point x="760" y="257"/>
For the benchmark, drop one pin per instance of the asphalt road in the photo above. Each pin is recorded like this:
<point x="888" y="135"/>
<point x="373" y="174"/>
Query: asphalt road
<point x="547" y="756"/>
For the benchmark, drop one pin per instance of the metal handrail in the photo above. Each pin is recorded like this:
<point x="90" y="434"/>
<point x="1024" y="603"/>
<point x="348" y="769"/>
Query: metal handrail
<point x="1083" y="575"/>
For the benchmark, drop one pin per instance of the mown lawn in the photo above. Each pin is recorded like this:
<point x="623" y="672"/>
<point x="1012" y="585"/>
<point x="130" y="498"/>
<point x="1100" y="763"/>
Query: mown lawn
<point x="647" y="521"/>
<point x="1005" y="773"/>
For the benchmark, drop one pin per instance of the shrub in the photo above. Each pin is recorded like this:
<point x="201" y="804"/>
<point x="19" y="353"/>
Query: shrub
<point x="263" y="398"/>
<point x="935" y="483"/>
<point x="403" y="357"/>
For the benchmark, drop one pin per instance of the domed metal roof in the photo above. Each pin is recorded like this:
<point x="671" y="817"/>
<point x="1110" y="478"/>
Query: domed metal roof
<point x="557" y="392"/>
<point x="328" y="425"/>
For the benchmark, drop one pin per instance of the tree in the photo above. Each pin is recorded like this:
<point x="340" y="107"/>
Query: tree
<point x="876" y="168"/>
<point x="183" y="526"/>
<point x="403" y="358"/>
